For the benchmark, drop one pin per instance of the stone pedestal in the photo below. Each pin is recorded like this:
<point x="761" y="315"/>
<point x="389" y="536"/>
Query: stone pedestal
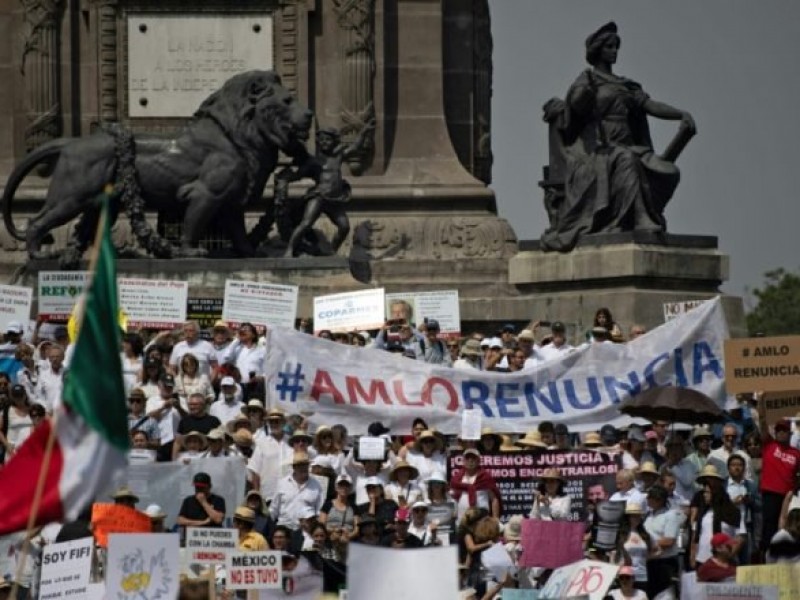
<point x="632" y="274"/>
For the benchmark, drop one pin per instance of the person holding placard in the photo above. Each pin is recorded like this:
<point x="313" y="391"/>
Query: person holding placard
<point x="192" y="343"/>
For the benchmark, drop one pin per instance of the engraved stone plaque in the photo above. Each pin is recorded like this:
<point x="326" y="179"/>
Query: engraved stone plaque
<point x="176" y="61"/>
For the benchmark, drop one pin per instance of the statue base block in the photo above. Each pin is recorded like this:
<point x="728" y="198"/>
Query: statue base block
<point x="632" y="274"/>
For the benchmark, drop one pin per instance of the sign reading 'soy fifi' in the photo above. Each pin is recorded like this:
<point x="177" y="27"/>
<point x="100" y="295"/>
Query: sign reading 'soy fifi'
<point x="766" y="364"/>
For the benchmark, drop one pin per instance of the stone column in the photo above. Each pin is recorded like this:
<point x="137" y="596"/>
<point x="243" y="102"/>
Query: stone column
<point x="41" y="70"/>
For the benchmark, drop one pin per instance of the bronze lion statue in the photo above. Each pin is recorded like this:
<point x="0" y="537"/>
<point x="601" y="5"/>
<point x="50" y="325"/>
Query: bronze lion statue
<point x="212" y="169"/>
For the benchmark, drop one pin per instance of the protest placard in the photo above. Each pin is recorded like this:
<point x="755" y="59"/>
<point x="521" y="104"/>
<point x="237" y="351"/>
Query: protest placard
<point x="673" y="310"/>
<point x="210" y="545"/>
<point x="247" y="570"/>
<point x="590" y="578"/>
<point x="65" y="569"/>
<point x="371" y="448"/>
<point x="588" y="475"/>
<point x="521" y="594"/>
<point x="153" y="303"/>
<point x="300" y="581"/>
<point x="58" y="292"/>
<point x="117" y="518"/>
<point x="349" y="311"/>
<point x="386" y="573"/>
<point x="142" y="566"/>
<point x="264" y="304"/>
<point x="471" y="425"/>
<point x="15" y="305"/>
<point x="735" y="591"/>
<point x="786" y="576"/>
<point x="439" y="305"/>
<point x="206" y="311"/>
<point x="564" y="543"/>
<point x="765" y="364"/>
<point x="780" y="405"/>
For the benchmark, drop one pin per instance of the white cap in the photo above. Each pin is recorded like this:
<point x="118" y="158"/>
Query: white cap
<point x="485" y="342"/>
<point x="373" y="481"/>
<point x="228" y="380"/>
<point x="306" y="512"/>
<point x="14" y="327"/>
<point x="154" y="511"/>
<point x="419" y="504"/>
<point x="344" y="477"/>
<point x="495" y="342"/>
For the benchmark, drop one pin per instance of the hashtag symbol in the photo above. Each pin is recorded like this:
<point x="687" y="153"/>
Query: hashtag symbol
<point x="290" y="382"/>
<point x="745" y="352"/>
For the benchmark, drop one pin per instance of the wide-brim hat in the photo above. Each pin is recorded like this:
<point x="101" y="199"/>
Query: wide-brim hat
<point x="471" y="348"/>
<point x="276" y="413"/>
<point x="701" y="431"/>
<point x="633" y="508"/>
<point x="196" y="435"/>
<point x="532" y="439"/>
<point x="300" y="434"/>
<point x="218" y="434"/>
<point x="255" y="403"/>
<point x="233" y="425"/>
<point x="709" y="471"/>
<point x="648" y="467"/>
<point x="508" y="446"/>
<point x="513" y="529"/>
<point x="428" y="435"/>
<point x="245" y="513"/>
<point x="125" y="492"/>
<point x="592" y="439"/>
<point x="526" y="334"/>
<point x="300" y="458"/>
<point x="321" y="430"/>
<point x="242" y="437"/>
<point x="401" y="464"/>
<point x="552" y="473"/>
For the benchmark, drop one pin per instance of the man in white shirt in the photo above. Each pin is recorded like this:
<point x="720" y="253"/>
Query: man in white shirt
<point x="557" y="348"/>
<point x="470" y="357"/>
<point x="626" y="490"/>
<point x="164" y="410"/>
<point x="295" y="492"/>
<point x="228" y="407"/>
<point x="202" y="350"/>
<point x="719" y="456"/>
<point x="271" y="457"/>
<point x="51" y="380"/>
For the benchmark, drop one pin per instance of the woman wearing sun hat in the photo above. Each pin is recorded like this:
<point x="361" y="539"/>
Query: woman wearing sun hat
<point x="402" y="487"/>
<point x="426" y="455"/>
<point x="551" y="502"/>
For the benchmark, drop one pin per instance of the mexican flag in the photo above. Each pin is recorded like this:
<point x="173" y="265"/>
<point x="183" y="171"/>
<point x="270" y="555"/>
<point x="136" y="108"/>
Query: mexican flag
<point x="73" y="457"/>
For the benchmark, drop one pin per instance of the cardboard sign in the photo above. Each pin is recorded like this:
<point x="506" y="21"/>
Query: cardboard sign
<point x="767" y="364"/>
<point x="210" y="545"/>
<point x="564" y="543"/>
<point x="786" y="576"/>
<point x="349" y="311"/>
<point x="15" y="305"/>
<point x="254" y="570"/>
<point x="371" y="448"/>
<point x="590" y="578"/>
<point x="116" y="518"/>
<point x="589" y="475"/>
<point x="673" y="310"/>
<point x="153" y="303"/>
<point x="58" y="292"/>
<point x="260" y="303"/>
<point x="65" y="569"/>
<point x="206" y="311"/>
<point x="142" y="566"/>
<point x="442" y="306"/>
<point x="735" y="591"/>
<point x="780" y="405"/>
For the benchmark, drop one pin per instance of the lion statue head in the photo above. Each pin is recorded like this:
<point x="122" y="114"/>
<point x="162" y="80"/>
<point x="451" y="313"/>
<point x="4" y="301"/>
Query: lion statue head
<point x="254" y="108"/>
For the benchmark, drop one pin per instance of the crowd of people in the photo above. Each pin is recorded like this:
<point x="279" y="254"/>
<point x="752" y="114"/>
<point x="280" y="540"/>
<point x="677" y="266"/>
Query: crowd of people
<point x="705" y="500"/>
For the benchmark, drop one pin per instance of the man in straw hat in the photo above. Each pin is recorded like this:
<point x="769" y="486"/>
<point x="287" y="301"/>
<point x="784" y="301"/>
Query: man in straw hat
<point x="402" y="487"/>
<point x="296" y="491"/>
<point x="532" y="439"/>
<point x="472" y="486"/>
<point x="125" y="497"/>
<point x="470" y="356"/>
<point x="701" y="442"/>
<point x="271" y="456"/>
<point x="244" y="519"/>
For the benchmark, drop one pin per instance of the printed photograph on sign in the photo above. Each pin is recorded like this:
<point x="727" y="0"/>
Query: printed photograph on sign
<point x="416" y="307"/>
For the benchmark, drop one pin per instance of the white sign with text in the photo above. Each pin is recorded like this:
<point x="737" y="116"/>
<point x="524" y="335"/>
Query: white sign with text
<point x="260" y="303"/>
<point x="153" y="303"/>
<point x="349" y="311"/>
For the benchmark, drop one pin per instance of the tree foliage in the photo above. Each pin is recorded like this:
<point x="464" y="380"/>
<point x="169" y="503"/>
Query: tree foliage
<point x="778" y="308"/>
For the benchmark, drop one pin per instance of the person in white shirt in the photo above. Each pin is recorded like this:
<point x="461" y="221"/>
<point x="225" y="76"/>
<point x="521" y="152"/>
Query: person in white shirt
<point x="684" y="470"/>
<point x="164" y="409"/>
<point x="420" y="525"/>
<point x="626" y="490"/>
<point x="271" y="457"/>
<point x="551" y="502"/>
<point x="401" y="488"/>
<point x="626" y="590"/>
<point x="557" y="347"/>
<point x="470" y="357"/>
<point x="296" y="492"/>
<point x="247" y="354"/>
<point x="202" y="350"/>
<point x="426" y="457"/>
<point x="51" y="381"/>
<point x="194" y="444"/>
<point x="228" y="407"/>
<point x="719" y="456"/>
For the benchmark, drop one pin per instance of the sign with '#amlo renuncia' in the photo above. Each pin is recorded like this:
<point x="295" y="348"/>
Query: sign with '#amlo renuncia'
<point x="767" y="364"/>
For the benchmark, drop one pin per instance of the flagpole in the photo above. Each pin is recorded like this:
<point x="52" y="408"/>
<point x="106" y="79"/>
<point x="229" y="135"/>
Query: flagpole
<point x="51" y="438"/>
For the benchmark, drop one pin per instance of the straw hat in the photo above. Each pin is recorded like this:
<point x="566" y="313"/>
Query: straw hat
<point x="428" y="435"/>
<point x="551" y="474"/>
<point x="245" y="513"/>
<point x="592" y="439"/>
<point x="125" y="492"/>
<point x="234" y="424"/>
<point x="633" y="508"/>
<point x="700" y="431"/>
<point x="155" y="512"/>
<point x="507" y="446"/>
<point x="648" y="467"/>
<point x="513" y="529"/>
<point x="243" y="437"/>
<point x="709" y="471"/>
<point x="401" y="464"/>
<point x="532" y="439"/>
<point x="276" y="413"/>
<point x="300" y="458"/>
<point x="322" y="429"/>
<point x="255" y="403"/>
<point x="197" y="435"/>
<point x="218" y="433"/>
<point x="300" y="434"/>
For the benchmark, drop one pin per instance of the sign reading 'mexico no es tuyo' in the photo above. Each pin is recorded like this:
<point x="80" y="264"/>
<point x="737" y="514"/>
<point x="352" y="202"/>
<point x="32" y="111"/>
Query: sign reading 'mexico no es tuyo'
<point x="767" y="364"/>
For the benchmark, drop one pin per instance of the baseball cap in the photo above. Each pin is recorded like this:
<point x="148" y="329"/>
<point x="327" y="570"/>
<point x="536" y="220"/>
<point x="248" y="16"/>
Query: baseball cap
<point x="14" y="327"/>
<point x="377" y="429"/>
<point x="419" y="504"/>
<point x="228" y="381"/>
<point x="373" y="482"/>
<point x="432" y="324"/>
<point x="201" y="480"/>
<point x="509" y="328"/>
<point x="608" y="434"/>
<point x="783" y="425"/>
<point x="558" y="327"/>
<point x="720" y="539"/>
<point x="402" y="515"/>
<point x="471" y="452"/>
<point x="495" y="342"/>
<point x="344" y="478"/>
<point x="17" y="390"/>
<point x="168" y="380"/>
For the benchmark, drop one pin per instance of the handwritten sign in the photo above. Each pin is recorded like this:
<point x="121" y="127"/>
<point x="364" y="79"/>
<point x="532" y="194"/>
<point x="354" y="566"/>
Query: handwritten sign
<point x="371" y="448"/>
<point x="142" y="566"/>
<point x="260" y="303"/>
<point x="116" y="518"/>
<point x="58" y="292"/>
<point x="767" y="364"/>
<point x="209" y="545"/>
<point x="15" y="304"/>
<point x="786" y="576"/>
<point x="254" y="570"/>
<point x="349" y="311"/>
<point x="153" y="303"/>
<point x="65" y="569"/>
<point x="590" y="578"/>
<point x="564" y="543"/>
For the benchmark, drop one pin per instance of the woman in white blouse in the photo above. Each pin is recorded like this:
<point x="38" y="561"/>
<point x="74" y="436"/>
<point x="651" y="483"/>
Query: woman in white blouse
<point x="191" y="381"/>
<point x="402" y="488"/>
<point x="551" y="502"/>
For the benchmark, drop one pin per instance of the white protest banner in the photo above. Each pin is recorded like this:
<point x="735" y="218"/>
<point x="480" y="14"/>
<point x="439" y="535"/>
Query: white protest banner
<point x="15" y="305"/>
<point x="736" y="591"/>
<point x="371" y="448"/>
<point x="58" y="292"/>
<point x="349" y="311"/>
<point x="673" y="310"/>
<point x="210" y="545"/>
<point x="249" y="570"/>
<point x="334" y="383"/>
<point x="264" y="304"/>
<point x="65" y="569"/>
<point x="384" y="573"/>
<point x="441" y="305"/>
<point x="142" y="565"/>
<point x="590" y="578"/>
<point x="153" y="303"/>
<point x="471" y="425"/>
